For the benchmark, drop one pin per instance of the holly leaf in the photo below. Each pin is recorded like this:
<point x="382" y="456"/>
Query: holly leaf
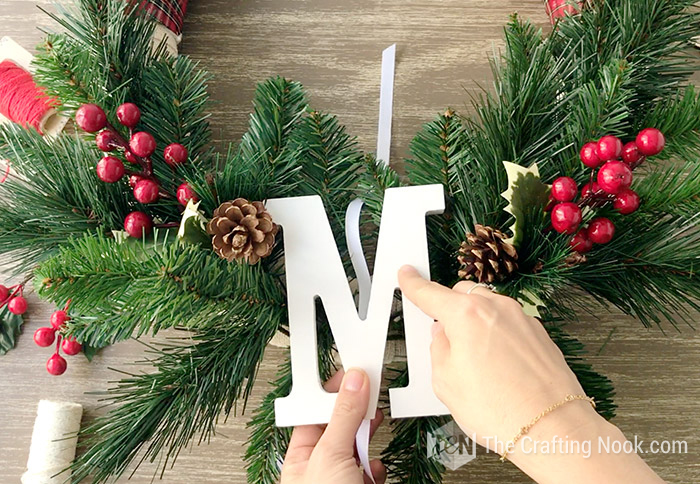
<point x="10" y="328"/>
<point x="193" y="226"/>
<point x="527" y="198"/>
<point x="90" y="351"/>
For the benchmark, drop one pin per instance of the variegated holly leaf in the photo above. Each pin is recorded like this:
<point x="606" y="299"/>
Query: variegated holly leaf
<point x="527" y="198"/>
<point x="192" y="227"/>
<point x="10" y="328"/>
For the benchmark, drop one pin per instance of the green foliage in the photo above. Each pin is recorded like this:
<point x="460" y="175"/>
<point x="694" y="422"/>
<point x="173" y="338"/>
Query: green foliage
<point x="406" y="457"/>
<point x="594" y="384"/>
<point x="101" y="55"/>
<point x="267" y="444"/>
<point x="196" y="380"/>
<point x="142" y="288"/>
<point x="10" y="329"/>
<point x="259" y="169"/>
<point x="53" y="194"/>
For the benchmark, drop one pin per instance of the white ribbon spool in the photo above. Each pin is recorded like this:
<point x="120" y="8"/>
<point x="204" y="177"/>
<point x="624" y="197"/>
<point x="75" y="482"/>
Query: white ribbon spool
<point x="54" y="442"/>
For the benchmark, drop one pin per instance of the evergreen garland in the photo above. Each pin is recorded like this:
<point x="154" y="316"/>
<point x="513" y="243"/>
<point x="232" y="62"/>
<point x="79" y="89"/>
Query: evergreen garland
<point x="617" y="67"/>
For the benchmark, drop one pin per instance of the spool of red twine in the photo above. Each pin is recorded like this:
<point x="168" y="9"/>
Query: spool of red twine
<point x="21" y="100"/>
<point x="170" y="13"/>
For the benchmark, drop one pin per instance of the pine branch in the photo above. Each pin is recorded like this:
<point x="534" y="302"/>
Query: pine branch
<point x="258" y="170"/>
<point x="267" y="444"/>
<point x="438" y="156"/>
<point x="594" y="384"/>
<point x="101" y="57"/>
<point x="374" y="179"/>
<point x="328" y="160"/>
<point x="196" y="381"/>
<point x="406" y="456"/>
<point x="141" y="288"/>
<point x="657" y="259"/>
<point x="52" y="195"/>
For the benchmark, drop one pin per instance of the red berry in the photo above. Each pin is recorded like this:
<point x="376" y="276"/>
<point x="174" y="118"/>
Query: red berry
<point x="609" y="148"/>
<point x="44" y="337"/>
<point x="130" y="157"/>
<point x="185" y="194"/>
<point x="134" y="179"/>
<point x="4" y="293"/>
<point x="129" y="114"/>
<point x="566" y="218"/>
<point x="627" y="201"/>
<point x="601" y="230"/>
<point x="138" y="224"/>
<point x="589" y="190"/>
<point x="106" y="141"/>
<point x="589" y="155"/>
<point x="71" y="347"/>
<point x="146" y="191"/>
<point x="581" y="243"/>
<point x="110" y="169"/>
<point x="651" y="142"/>
<point x="631" y="154"/>
<point x="614" y="176"/>
<point x="17" y="305"/>
<point x="175" y="154"/>
<point x="564" y="189"/>
<point x="142" y="144"/>
<point x="58" y="319"/>
<point x="56" y="365"/>
<point x="91" y="118"/>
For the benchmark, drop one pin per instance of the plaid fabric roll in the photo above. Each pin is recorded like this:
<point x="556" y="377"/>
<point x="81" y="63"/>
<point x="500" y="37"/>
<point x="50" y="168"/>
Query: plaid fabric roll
<point x="558" y="9"/>
<point x="170" y="13"/>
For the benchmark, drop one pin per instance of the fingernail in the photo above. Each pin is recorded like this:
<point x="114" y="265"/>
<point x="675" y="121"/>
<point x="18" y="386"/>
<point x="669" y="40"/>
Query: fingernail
<point x="408" y="270"/>
<point x="353" y="381"/>
<point x="435" y="328"/>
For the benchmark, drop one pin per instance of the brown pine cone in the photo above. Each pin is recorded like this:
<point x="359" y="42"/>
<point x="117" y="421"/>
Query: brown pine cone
<point x="242" y="230"/>
<point x="486" y="257"/>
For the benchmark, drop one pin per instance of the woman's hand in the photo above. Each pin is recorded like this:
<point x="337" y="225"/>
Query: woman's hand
<point x="319" y="454"/>
<point x="494" y="367"/>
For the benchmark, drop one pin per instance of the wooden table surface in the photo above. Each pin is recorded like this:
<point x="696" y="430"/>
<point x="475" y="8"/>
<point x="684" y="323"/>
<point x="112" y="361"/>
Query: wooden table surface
<point x="334" y="48"/>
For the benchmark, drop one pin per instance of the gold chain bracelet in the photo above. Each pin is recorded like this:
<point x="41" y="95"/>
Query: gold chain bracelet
<point x="526" y="429"/>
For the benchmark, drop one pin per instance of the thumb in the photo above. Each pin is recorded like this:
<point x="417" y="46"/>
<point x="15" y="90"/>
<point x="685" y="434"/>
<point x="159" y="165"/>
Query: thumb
<point x="350" y="409"/>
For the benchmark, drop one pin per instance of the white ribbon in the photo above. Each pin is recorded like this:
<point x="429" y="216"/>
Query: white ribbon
<point x="352" y="225"/>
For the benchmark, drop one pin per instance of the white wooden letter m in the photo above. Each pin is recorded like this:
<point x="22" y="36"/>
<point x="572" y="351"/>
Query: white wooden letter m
<point x="314" y="270"/>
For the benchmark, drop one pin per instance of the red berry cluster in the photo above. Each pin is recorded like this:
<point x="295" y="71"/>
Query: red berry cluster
<point x="137" y="151"/>
<point x="611" y="165"/>
<point x="56" y="365"/>
<point x="13" y="298"/>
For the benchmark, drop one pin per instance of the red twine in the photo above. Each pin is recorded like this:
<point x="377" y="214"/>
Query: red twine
<point x="21" y="100"/>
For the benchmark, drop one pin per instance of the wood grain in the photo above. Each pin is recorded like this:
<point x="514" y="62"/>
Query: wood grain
<point x="334" y="48"/>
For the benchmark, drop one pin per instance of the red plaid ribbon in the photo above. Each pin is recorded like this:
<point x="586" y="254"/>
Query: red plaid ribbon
<point x="557" y="9"/>
<point x="170" y="13"/>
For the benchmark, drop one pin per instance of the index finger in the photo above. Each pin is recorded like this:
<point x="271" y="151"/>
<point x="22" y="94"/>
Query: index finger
<point x="431" y="297"/>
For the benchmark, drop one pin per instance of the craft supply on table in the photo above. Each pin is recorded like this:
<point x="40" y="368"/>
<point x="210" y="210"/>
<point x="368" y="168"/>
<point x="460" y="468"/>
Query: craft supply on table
<point x="170" y="16"/>
<point x="21" y="100"/>
<point x="54" y="442"/>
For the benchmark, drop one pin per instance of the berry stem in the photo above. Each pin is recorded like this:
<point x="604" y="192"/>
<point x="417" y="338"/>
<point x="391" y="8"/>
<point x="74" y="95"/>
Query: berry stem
<point x="145" y="163"/>
<point x="58" y="342"/>
<point x="168" y="225"/>
<point x="18" y="288"/>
